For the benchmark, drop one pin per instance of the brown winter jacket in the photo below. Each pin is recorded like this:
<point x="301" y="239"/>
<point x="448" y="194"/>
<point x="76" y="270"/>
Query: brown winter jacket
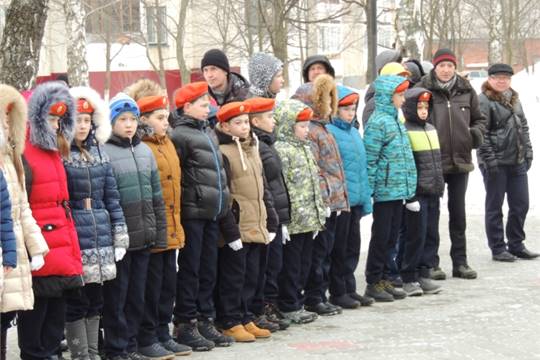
<point x="459" y="122"/>
<point x="170" y="177"/>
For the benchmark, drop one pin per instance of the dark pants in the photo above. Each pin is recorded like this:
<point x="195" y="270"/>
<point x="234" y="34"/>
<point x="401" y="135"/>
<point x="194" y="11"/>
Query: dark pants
<point x="6" y="320"/>
<point x="387" y="217"/>
<point x="457" y="187"/>
<point x="84" y="302"/>
<point x="197" y="271"/>
<point x="511" y="181"/>
<point x="422" y="239"/>
<point x="293" y="276"/>
<point x="273" y="268"/>
<point x="318" y="279"/>
<point x="395" y="254"/>
<point x="41" y="330"/>
<point x="124" y="303"/>
<point x="346" y="253"/>
<point x="159" y="298"/>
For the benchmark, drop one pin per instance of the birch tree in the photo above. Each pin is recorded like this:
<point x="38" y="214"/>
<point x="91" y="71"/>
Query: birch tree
<point x="77" y="66"/>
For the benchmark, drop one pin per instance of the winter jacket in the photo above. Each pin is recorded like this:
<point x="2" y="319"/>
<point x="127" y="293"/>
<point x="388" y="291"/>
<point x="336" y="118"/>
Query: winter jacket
<point x="273" y="173"/>
<point x="507" y="140"/>
<point x="18" y="293"/>
<point x="262" y="68"/>
<point x="204" y="184"/>
<point x="353" y="155"/>
<point x="94" y="197"/>
<point x="48" y="192"/>
<point x="299" y="170"/>
<point x="7" y="236"/>
<point x="425" y="146"/>
<point x="246" y="182"/>
<point x="137" y="178"/>
<point x="459" y="122"/>
<point x="391" y="169"/>
<point x="237" y="90"/>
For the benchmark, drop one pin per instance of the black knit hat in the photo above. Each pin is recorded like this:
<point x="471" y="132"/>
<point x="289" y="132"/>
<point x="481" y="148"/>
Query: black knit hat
<point x="444" y="55"/>
<point x="217" y="58"/>
<point x="500" y="68"/>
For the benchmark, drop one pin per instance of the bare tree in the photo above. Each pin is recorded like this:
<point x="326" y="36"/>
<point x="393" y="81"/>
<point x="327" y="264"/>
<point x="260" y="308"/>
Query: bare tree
<point x="77" y="65"/>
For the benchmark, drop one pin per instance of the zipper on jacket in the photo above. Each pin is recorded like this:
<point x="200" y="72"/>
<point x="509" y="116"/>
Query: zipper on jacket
<point x="140" y="189"/>
<point x="220" y="200"/>
<point x="431" y="150"/>
<point x="451" y="130"/>
<point x="176" y="226"/>
<point x="260" y="198"/>
<point x="95" y="225"/>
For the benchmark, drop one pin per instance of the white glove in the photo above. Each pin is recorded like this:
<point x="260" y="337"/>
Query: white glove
<point x="315" y="234"/>
<point x="338" y="213"/>
<point x="328" y="212"/>
<point x="413" y="206"/>
<point x="271" y="236"/>
<point x="285" y="235"/>
<point x="236" y="245"/>
<point x="37" y="262"/>
<point x="119" y="253"/>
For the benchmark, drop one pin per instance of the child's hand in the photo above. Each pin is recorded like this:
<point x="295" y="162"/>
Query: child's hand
<point x="285" y="235"/>
<point x="271" y="236"/>
<point x="328" y="212"/>
<point x="413" y="206"/>
<point x="37" y="262"/>
<point x="119" y="253"/>
<point x="236" y="245"/>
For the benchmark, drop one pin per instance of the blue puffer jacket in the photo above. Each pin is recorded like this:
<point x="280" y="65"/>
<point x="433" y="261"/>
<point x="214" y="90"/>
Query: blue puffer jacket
<point x="7" y="236"/>
<point x="391" y="167"/>
<point x="353" y="155"/>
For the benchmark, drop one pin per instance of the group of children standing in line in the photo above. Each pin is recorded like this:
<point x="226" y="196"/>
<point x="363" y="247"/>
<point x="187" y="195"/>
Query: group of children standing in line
<point x="127" y="217"/>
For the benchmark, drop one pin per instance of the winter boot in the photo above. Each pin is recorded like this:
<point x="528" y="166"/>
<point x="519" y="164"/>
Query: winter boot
<point x="77" y="340"/>
<point x="92" y="334"/>
<point x="188" y="334"/>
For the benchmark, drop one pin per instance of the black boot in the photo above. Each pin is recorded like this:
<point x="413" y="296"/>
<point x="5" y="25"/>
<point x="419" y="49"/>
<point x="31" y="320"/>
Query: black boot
<point x="188" y="334"/>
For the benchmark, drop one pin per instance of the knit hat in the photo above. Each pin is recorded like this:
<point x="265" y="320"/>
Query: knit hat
<point x="262" y="68"/>
<point x="217" y="58"/>
<point x="444" y="55"/>
<point x="148" y="104"/>
<point x="500" y="68"/>
<point x="122" y="103"/>
<point x="260" y="105"/>
<point x="232" y="110"/>
<point x="190" y="93"/>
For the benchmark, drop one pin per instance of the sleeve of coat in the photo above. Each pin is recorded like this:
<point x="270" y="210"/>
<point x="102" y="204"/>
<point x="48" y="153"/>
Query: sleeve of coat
<point x="478" y="121"/>
<point x="181" y="147"/>
<point x="317" y="147"/>
<point x="228" y="224"/>
<point x="526" y="136"/>
<point x="486" y="151"/>
<point x="116" y="214"/>
<point x="7" y="236"/>
<point x="159" y="208"/>
<point x="272" y="220"/>
<point x="374" y="138"/>
<point x="33" y="238"/>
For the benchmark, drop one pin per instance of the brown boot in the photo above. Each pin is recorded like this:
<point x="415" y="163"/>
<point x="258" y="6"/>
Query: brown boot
<point x="257" y="331"/>
<point x="239" y="334"/>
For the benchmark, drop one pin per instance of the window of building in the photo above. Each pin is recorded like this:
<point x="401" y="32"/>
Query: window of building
<point x="118" y="17"/>
<point x="330" y="38"/>
<point x="156" y="24"/>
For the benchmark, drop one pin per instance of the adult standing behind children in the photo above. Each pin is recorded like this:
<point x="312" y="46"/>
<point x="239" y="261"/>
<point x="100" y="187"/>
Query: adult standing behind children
<point x="461" y="127"/>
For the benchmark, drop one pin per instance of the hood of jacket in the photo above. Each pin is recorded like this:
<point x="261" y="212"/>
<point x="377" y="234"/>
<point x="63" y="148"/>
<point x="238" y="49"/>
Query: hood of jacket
<point x="314" y="59"/>
<point x="262" y="68"/>
<point x="101" y="124"/>
<point x="342" y="92"/>
<point x="386" y="57"/>
<point x="44" y="96"/>
<point x="320" y="96"/>
<point x="18" y="115"/>
<point x="416" y="70"/>
<point x="410" y="105"/>
<point x="285" y="114"/>
<point x="385" y="87"/>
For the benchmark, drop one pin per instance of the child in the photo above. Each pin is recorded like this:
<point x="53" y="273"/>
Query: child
<point x="422" y="215"/>
<point x="99" y="220"/>
<point x="265" y="76"/>
<point x="307" y="207"/>
<point x="321" y="97"/>
<point x="154" y="336"/>
<point x="245" y="228"/>
<point x="51" y="116"/>
<point x="17" y="294"/>
<point x="262" y="124"/>
<point x="138" y="182"/>
<point x="392" y="176"/>
<point x="346" y="252"/>
<point x="204" y="201"/>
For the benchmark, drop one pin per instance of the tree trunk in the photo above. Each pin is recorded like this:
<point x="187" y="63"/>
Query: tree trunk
<point x="371" y="17"/>
<point x="158" y="23"/>
<point x="76" y="43"/>
<point x="185" y="73"/>
<point x="21" y="42"/>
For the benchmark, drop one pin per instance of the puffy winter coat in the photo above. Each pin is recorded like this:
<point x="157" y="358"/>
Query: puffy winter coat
<point x="273" y="173"/>
<point x="507" y="140"/>
<point x="137" y="178"/>
<point x="391" y="169"/>
<point x="458" y="120"/>
<point x="425" y="146"/>
<point x="48" y="192"/>
<point x="204" y="184"/>
<point x="170" y="176"/>
<point x="300" y="171"/>
<point x="18" y="293"/>
<point x="8" y="250"/>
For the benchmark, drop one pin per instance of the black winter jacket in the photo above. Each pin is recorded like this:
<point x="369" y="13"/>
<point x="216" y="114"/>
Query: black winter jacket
<point x="205" y="194"/>
<point x="507" y="140"/>
<point x="237" y="90"/>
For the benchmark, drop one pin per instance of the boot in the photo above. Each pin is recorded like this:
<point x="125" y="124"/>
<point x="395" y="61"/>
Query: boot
<point x="92" y="334"/>
<point x="3" y="345"/>
<point x="77" y="340"/>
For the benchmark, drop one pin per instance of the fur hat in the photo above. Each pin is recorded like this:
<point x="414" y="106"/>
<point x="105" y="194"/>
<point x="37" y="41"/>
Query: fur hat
<point x="43" y="97"/>
<point x="18" y="116"/>
<point x="100" y="117"/>
<point x="321" y="96"/>
<point x="143" y="88"/>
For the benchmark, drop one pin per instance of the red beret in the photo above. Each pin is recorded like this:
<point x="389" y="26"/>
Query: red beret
<point x="84" y="107"/>
<point x="402" y="87"/>
<point x="233" y="109"/>
<point x="260" y="105"/>
<point x="190" y="93"/>
<point x="305" y="115"/>
<point x="148" y="104"/>
<point x="349" y="99"/>
<point x="425" y="96"/>
<point x="58" y="109"/>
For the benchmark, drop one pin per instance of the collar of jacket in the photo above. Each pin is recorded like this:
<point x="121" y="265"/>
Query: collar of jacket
<point x="235" y="81"/>
<point x="497" y="96"/>
<point x="264" y="136"/>
<point x="342" y="124"/>
<point x="186" y="120"/>
<point x="429" y="82"/>
<point x="123" y="141"/>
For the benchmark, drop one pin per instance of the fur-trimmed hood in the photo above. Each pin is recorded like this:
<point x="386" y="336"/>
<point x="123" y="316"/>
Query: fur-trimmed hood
<point x="101" y="125"/>
<point x="497" y="96"/>
<point x="143" y="88"/>
<point x="320" y="95"/>
<point x="43" y="97"/>
<point x="17" y="117"/>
